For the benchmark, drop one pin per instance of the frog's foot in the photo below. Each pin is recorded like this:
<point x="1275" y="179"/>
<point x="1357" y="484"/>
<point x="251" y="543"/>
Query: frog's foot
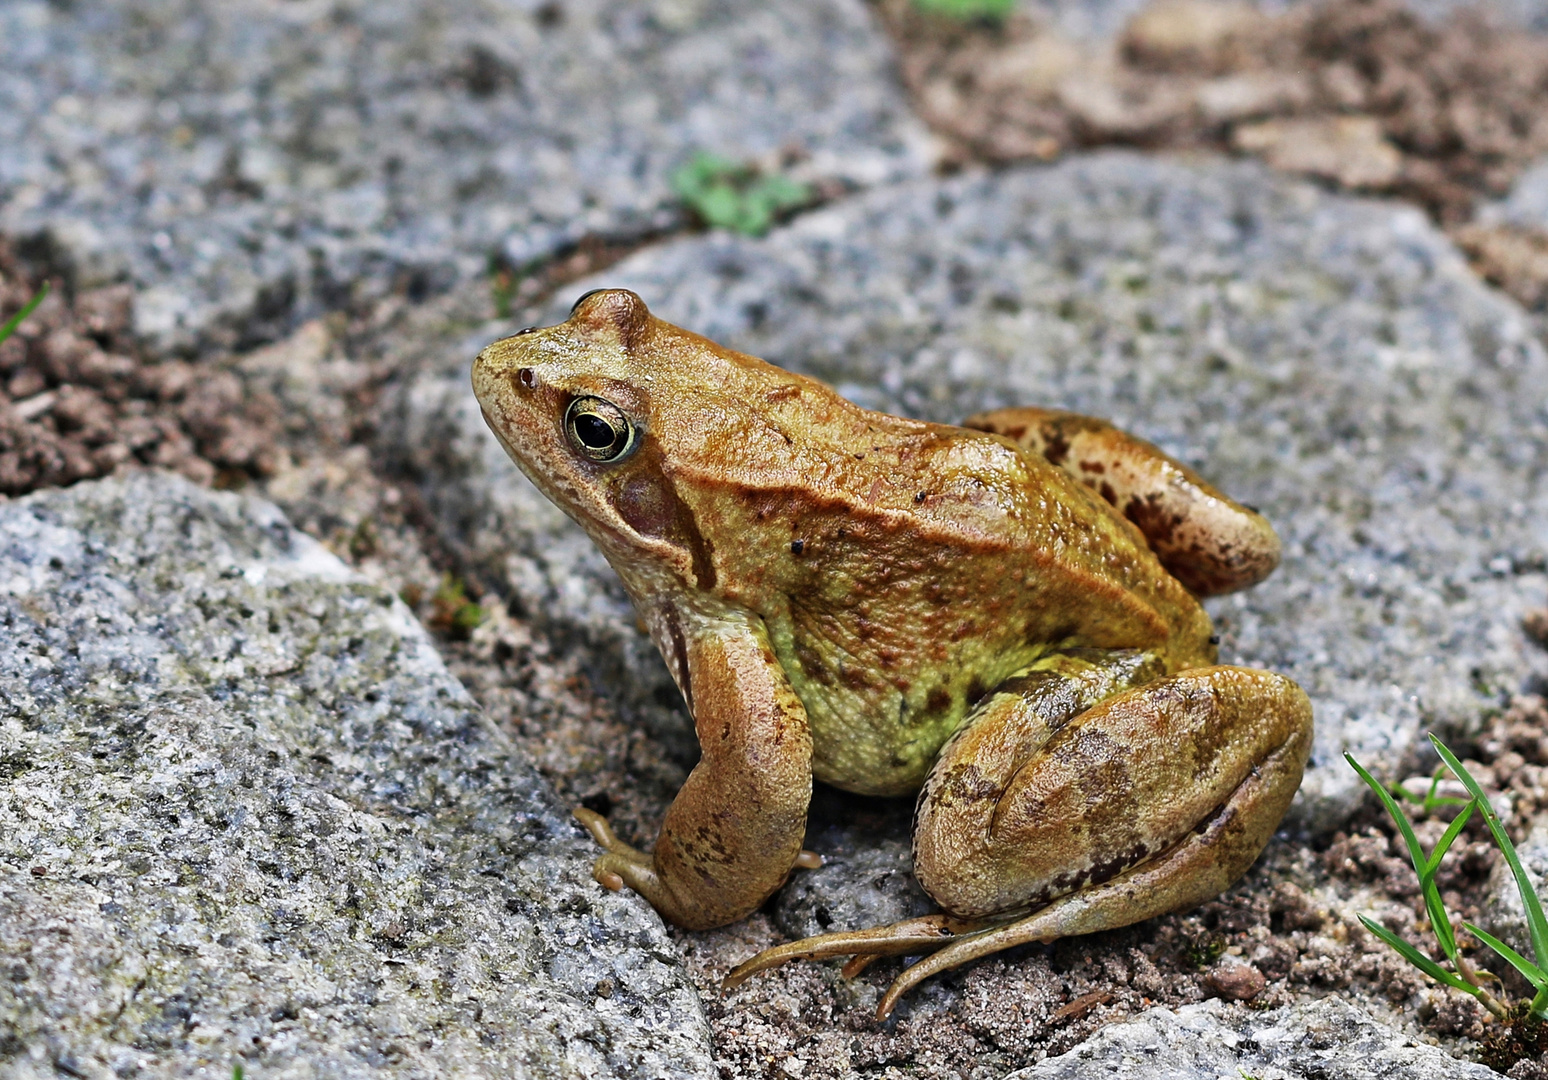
<point x="910" y="937"/>
<point x="623" y="864"/>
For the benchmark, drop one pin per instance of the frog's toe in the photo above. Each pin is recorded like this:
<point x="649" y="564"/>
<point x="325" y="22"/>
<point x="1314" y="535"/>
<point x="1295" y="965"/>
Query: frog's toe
<point x="622" y="864"/>
<point x="911" y="936"/>
<point x="603" y="834"/>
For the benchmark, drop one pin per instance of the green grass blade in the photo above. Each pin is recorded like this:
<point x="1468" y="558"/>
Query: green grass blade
<point x="16" y="320"/>
<point x="1434" y="906"/>
<point x="1440" y="922"/>
<point x="1537" y="926"/>
<point x="1534" y="974"/>
<point x="1417" y="958"/>
<point x="1453" y="831"/>
<point x="1415" y="852"/>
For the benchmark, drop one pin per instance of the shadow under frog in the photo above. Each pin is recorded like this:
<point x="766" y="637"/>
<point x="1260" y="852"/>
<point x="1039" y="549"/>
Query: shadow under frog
<point x="1002" y="617"/>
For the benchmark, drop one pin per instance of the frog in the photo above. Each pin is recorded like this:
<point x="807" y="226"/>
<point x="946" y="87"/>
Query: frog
<point x="1002" y="619"/>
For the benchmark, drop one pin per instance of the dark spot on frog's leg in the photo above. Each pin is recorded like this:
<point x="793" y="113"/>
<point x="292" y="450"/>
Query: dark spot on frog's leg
<point x="1109" y="868"/>
<point x="1095" y="468"/>
<point x="937" y="701"/>
<point x="975" y="691"/>
<point x="854" y="676"/>
<point x="1055" y="446"/>
<point x="1152" y="518"/>
<point x="1107" y="492"/>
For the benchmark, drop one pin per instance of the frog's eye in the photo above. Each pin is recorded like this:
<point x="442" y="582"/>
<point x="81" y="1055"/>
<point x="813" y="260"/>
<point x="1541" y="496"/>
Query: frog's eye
<point x="599" y="429"/>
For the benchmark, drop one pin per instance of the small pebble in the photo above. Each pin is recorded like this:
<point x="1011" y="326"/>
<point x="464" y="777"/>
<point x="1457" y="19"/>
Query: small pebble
<point x="1235" y="979"/>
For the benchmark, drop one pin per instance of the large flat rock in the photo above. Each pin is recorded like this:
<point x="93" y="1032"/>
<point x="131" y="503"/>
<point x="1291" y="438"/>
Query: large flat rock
<point x="248" y="163"/>
<point x="1331" y="360"/>
<point x="246" y="816"/>
<point x="1328" y="1039"/>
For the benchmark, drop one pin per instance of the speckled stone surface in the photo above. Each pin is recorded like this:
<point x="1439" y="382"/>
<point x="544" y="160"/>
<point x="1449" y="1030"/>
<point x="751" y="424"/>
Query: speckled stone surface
<point x="247" y="816"/>
<point x="1328" y="1039"/>
<point x="249" y="163"/>
<point x="1330" y="360"/>
<point x="1504" y="915"/>
<point x="1527" y="204"/>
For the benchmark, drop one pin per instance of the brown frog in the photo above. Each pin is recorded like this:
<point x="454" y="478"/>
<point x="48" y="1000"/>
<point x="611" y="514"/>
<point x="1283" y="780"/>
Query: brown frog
<point x="1003" y="617"/>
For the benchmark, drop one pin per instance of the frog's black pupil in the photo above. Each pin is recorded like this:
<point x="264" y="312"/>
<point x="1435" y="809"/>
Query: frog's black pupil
<point x="594" y="431"/>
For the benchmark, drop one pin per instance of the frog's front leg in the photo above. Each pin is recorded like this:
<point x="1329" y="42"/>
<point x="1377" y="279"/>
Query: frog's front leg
<point x="734" y="831"/>
<point x="1209" y="541"/>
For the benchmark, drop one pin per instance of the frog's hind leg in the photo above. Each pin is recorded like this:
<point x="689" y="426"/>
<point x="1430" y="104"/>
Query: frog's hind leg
<point x="1084" y="794"/>
<point x="1153" y="800"/>
<point x="1208" y="541"/>
<point x="1008" y="726"/>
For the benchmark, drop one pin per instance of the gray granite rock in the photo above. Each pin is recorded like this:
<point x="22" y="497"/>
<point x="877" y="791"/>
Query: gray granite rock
<point x="1503" y="914"/>
<point x="246" y="816"/>
<point x="863" y="882"/>
<point x="1331" y="360"/>
<point x="1328" y="1039"/>
<point x="248" y="163"/>
<point x="1527" y="204"/>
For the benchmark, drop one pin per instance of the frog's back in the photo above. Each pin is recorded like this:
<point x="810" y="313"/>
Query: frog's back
<point x="905" y="568"/>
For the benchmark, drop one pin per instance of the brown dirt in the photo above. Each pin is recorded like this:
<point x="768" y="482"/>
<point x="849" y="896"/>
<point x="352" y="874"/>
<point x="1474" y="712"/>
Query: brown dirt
<point x="1362" y="94"/>
<point x="78" y="400"/>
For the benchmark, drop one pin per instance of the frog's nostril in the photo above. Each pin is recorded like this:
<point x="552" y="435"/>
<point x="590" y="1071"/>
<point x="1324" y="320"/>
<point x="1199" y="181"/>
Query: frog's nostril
<point x="525" y="330"/>
<point x="526" y="377"/>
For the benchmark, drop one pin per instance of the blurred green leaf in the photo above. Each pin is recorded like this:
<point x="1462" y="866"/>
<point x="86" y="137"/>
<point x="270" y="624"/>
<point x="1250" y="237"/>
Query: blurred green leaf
<point x="727" y="194"/>
<point x="967" y="9"/>
<point x="16" y="320"/>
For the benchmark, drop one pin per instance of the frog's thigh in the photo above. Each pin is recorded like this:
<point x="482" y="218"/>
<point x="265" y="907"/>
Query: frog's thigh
<point x="1210" y="542"/>
<point x="1127" y="783"/>
<point x="734" y="831"/>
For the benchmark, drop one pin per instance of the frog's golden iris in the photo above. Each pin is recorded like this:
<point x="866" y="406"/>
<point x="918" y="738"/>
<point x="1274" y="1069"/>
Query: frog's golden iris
<point x="1002" y="617"/>
<point x="599" y="430"/>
